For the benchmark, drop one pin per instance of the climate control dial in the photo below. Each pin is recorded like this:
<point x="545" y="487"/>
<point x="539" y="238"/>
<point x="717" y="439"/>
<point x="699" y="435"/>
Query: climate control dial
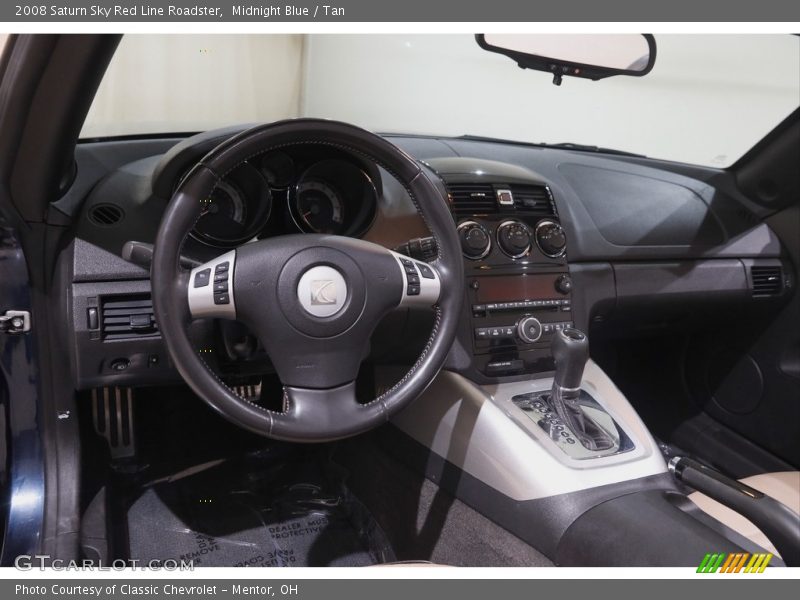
<point x="476" y="242"/>
<point x="514" y="238"/>
<point x="551" y="239"/>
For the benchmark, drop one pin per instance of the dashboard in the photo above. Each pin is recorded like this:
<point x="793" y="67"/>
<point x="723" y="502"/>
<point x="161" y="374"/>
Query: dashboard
<point x="550" y="238"/>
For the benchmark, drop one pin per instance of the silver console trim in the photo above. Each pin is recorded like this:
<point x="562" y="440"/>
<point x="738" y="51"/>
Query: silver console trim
<point x="481" y="431"/>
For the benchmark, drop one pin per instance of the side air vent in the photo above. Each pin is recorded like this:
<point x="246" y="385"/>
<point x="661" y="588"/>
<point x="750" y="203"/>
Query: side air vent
<point x="533" y="200"/>
<point x="128" y="317"/>
<point x="767" y="281"/>
<point x="106" y="214"/>
<point x="472" y="198"/>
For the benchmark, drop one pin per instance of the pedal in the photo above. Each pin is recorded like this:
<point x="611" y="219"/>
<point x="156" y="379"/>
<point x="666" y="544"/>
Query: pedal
<point x="248" y="392"/>
<point x="112" y="414"/>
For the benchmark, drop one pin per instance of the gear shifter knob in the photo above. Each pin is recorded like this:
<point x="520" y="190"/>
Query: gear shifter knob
<point x="570" y="348"/>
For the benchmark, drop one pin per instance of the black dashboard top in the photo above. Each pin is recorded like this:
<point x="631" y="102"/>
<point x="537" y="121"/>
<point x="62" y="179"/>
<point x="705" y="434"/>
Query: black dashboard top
<point x="612" y="207"/>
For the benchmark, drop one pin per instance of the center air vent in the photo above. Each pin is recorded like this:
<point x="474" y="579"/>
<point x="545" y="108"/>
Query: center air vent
<point x="128" y="317"/>
<point x="468" y="199"/>
<point x="533" y="200"/>
<point x="472" y="198"/>
<point x="767" y="281"/>
<point x="106" y="214"/>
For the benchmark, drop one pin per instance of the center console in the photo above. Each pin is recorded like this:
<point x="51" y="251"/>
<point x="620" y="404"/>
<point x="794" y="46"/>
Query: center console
<point x="532" y="433"/>
<point x="518" y="287"/>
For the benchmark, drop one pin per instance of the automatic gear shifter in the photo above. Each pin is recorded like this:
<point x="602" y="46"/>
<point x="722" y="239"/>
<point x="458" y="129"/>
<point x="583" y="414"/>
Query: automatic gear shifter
<point x="570" y="348"/>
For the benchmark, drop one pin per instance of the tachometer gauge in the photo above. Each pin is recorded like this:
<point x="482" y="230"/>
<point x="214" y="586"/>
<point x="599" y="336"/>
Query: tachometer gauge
<point x="318" y="207"/>
<point x="236" y="210"/>
<point x="223" y="214"/>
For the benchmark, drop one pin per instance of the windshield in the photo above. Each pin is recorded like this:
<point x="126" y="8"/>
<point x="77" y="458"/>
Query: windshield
<point x="707" y="101"/>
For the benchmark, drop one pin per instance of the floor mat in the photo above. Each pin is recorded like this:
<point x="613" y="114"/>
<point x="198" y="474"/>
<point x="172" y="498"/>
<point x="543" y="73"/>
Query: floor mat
<point x="257" y="512"/>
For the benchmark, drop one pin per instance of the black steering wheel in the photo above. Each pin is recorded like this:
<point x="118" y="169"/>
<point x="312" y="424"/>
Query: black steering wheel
<point x="312" y="300"/>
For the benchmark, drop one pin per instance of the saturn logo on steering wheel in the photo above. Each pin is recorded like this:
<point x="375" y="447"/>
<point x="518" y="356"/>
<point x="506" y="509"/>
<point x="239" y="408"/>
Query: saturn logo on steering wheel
<point x="323" y="292"/>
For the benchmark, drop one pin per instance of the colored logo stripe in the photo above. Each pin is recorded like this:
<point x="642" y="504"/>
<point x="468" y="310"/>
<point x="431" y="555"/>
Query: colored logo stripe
<point x="734" y="563"/>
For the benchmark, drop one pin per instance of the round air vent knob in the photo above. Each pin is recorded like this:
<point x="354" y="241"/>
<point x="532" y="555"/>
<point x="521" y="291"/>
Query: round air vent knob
<point x="475" y="240"/>
<point x="551" y="239"/>
<point x="514" y="238"/>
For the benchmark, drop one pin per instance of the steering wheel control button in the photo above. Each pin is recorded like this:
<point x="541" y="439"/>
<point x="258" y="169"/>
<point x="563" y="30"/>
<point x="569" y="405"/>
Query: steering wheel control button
<point x="213" y="297"/>
<point x="421" y="282"/>
<point x="322" y="291"/>
<point x="412" y="278"/>
<point x="201" y="278"/>
<point x="426" y="271"/>
<point x="221" y="276"/>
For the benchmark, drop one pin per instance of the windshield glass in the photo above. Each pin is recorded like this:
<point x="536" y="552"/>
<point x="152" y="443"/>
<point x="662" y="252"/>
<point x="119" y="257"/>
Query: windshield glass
<point x="707" y="101"/>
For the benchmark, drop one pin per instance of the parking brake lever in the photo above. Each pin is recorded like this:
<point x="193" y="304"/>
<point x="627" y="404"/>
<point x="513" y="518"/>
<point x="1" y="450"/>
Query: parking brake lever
<point x="778" y="522"/>
<point x="570" y="348"/>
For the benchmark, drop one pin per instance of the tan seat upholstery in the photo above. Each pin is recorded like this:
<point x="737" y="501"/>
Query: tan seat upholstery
<point x="783" y="486"/>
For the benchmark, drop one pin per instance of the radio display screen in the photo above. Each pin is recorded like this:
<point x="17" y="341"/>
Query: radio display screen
<point x="501" y="288"/>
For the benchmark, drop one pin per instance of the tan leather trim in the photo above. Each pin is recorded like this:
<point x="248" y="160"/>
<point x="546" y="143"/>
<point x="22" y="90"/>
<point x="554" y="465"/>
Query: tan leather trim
<point x="783" y="486"/>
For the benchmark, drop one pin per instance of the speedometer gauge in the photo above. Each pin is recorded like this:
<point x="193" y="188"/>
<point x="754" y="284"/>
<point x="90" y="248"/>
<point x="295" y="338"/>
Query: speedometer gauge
<point x="333" y="196"/>
<point x="319" y="207"/>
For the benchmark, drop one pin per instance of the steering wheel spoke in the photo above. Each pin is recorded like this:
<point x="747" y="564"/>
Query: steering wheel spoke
<point x="422" y="285"/>
<point x="335" y="411"/>
<point x="210" y="290"/>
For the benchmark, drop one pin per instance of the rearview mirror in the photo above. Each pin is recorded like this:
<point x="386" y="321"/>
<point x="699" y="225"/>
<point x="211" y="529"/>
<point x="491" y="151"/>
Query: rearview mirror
<point x="592" y="56"/>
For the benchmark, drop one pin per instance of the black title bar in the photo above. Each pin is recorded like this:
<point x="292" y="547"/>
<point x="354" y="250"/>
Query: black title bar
<point x="438" y="11"/>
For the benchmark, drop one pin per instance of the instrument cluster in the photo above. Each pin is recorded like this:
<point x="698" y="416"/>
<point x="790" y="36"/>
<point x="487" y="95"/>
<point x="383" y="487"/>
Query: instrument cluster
<point x="304" y="189"/>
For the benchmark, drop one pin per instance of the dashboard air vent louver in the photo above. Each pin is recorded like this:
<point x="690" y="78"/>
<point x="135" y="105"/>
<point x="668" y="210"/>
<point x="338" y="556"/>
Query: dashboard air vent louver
<point x="472" y="198"/>
<point x="128" y="317"/>
<point x="767" y="281"/>
<point x="534" y="200"/>
<point x="106" y="214"/>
